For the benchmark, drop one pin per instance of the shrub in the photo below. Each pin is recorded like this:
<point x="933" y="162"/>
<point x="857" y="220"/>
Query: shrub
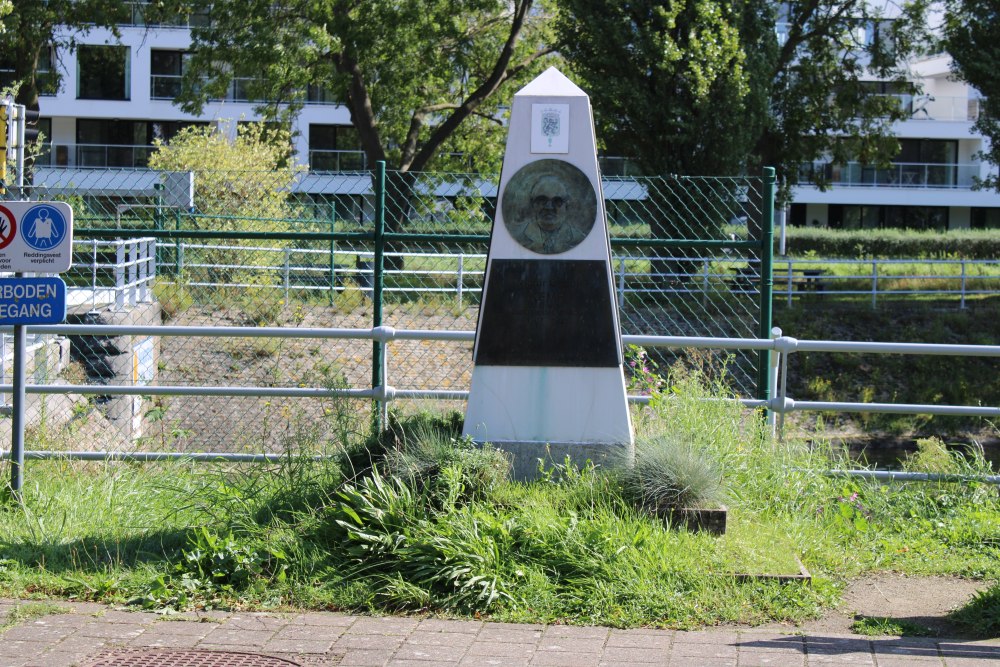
<point x="435" y="461"/>
<point x="669" y="474"/>
<point x="893" y="243"/>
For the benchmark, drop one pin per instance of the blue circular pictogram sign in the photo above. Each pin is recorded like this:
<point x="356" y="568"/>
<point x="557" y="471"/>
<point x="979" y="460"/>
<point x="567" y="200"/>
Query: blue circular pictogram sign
<point x="43" y="227"/>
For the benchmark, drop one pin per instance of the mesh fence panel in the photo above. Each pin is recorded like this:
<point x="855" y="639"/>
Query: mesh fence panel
<point x="242" y="249"/>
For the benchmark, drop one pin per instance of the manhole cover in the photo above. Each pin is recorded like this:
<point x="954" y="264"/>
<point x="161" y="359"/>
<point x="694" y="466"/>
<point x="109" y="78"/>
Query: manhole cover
<point x="168" y="658"/>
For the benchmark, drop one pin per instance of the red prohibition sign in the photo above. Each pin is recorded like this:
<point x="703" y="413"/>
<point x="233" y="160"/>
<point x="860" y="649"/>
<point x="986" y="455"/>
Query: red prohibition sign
<point x="8" y="227"/>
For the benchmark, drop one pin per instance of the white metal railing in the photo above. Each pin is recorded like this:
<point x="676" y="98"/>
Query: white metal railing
<point x="118" y="272"/>
<point x="939" y="107"/>
<point x="459" y="273"/>
<point x="778" y="404"/>
<point x="958" y="278"/>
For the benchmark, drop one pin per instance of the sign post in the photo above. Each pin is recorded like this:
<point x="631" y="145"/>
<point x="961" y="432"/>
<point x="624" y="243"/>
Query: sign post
<point x="35" y="237"/>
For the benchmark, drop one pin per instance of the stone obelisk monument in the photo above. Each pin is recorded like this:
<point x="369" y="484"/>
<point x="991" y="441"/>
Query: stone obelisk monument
<point x="548" y="381"/>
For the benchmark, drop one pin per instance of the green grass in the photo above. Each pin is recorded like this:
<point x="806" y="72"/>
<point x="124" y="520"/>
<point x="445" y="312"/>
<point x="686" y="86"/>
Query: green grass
<point x="878" y="626"/>
<point x="438" y="530"/>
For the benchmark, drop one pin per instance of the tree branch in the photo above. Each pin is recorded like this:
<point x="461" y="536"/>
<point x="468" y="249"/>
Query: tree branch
<point x="501" y="72"/>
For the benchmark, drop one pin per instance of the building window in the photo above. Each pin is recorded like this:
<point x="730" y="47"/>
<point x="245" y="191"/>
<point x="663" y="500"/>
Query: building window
<point x="45" y="75"/>
<point x="985" y="218"/>
<point x="103" y="73"/>
<point x="166" y="70"/>
<point x="335" y="148"/>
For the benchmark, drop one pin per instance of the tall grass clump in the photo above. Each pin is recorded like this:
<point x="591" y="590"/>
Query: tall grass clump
<point x="669" y="474"/>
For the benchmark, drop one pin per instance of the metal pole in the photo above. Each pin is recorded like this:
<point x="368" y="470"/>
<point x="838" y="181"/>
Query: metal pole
<point x="17" y="414"/>
<point x="772" y="382"/>
<point x="378" y="370"/>
<point x="962" y="304"/>
<point x="333" y="253"/>
<point x="766" y="279"/>
<point x="874" y="283"/>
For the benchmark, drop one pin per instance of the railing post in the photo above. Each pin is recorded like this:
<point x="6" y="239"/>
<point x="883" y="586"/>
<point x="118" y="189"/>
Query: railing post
<point x="378" y="368"/>
<point x="133" y="273"/>
<point x="704" y="281"/>
<point x="288" y="271"/>
<point x="874" y="282"/>
<point x="333" y="252"/>
<point x="461" y="277"/>
<point x="119" y="275"/>
<point x="772" y="381"/>
<point x="962" y="302"/>
<point x="178" y="248"/>
<point x="766" y="279"/>
<point x="93" y="274"/>
<point x="788" y="285"/>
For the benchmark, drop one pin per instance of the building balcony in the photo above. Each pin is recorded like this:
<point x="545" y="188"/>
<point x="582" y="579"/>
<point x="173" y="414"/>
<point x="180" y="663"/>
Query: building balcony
<point x="931" y="107"/>
<point x="168" y="87"/>
<point x="896" y="175"/>
<point x="100" y="156"/>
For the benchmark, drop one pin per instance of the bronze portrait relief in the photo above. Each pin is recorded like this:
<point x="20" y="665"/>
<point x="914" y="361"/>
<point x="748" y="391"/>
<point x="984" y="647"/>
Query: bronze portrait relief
<point x="549" y="206"/>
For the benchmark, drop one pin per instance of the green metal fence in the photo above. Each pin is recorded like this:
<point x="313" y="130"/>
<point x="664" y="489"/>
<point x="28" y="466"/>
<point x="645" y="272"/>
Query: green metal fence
<point x="691" y="256"/>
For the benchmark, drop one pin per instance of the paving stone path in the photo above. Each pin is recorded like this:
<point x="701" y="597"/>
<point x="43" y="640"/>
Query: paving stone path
<point x="83" y="634"/>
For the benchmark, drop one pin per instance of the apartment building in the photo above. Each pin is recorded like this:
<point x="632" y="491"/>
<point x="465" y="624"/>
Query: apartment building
<point x="929" y="184"/>
<point x="117" y="96"/>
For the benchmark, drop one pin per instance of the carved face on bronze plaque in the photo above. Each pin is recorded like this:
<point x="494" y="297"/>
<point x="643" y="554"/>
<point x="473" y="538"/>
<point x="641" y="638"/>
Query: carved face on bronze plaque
<point x="549" y="206"/>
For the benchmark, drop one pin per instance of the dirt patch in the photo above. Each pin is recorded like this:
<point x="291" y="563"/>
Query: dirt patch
<point x="922" y="601"/>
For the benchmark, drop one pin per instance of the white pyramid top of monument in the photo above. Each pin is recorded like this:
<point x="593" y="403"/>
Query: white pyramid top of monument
<point x="551" y="83"/>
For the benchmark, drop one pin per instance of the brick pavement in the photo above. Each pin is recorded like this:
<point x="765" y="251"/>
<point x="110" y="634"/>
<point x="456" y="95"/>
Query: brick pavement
<point x="86" y="632"/>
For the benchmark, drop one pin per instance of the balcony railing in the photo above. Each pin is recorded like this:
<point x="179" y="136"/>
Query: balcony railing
<point x="138" y="17"/>
<point x="936" y="107"/>
<point x="95" y="155"/>
<point x="897" y="175"/>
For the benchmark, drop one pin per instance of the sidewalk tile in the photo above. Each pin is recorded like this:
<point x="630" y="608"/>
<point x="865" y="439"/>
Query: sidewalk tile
<point x="509" y="635"/>
<point x="440" y="654"/>
<point x="490" y="661"/>
<point x="770" y="659"/>
<point x="571" y="644"/>
<point x="182" y="628"/>
<point x="384" y="625"/>
<point x="564" y="659"/>
<point x="706" y="637"/>
<point x="640" y="639"/>
<point x="314" y="632"/>
<point x="449" y="625"/>
<point x="575" y="632"/>
<point x="422" y="638"/>
<point x="501" y="649"/>
<point x="365" y="658"/>
<point x="298" y="646"/>
<point x="322" y="619"/>
<point x="369" y="642"/>
<point x="58" y="659"/>
<point x="245" y="638"/>
<point x="159" y="640"/>
<point x="638" y="656"/>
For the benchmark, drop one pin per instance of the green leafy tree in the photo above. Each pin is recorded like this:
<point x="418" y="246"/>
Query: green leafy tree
<point x="36" y="25"/>
<point x="424" y="80"/>
<point x="972" y="37"/>
<point x="706" y="86"/>
<point x="242" y="182"/>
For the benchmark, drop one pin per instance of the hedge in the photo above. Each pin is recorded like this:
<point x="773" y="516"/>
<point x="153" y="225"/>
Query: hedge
<point x="892" y="243"/>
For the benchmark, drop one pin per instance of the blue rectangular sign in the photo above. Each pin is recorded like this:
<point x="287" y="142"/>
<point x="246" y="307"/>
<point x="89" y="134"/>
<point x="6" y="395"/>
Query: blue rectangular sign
<point x="32" y="301"/>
